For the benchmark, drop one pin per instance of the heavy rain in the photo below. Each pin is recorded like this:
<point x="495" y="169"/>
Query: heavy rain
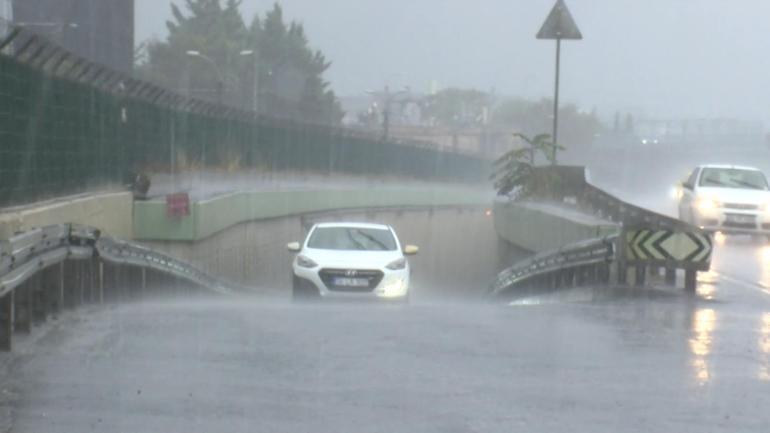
<point x="384" y="216"/>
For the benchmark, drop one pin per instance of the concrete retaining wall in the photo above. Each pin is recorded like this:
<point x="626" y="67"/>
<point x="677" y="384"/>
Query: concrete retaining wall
<point x="208" y="217"/>
<point x="540" y="227"/>
<point x="111" y="212"/>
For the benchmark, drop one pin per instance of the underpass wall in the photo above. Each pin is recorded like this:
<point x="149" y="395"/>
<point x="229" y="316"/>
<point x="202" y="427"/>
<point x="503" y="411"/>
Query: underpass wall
<point x="537" y="227"/>
<point x="459" y="250"/>
<point x="210" y="216"/>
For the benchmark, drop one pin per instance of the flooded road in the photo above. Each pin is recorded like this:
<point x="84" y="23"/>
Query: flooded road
<point x="647" y="363"/>
<point x="638" y="360"/>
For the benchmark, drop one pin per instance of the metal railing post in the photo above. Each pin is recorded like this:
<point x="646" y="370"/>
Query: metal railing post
<point x="690" y="280"/>
<point x="100" y="282"/>
<point x="621" y="258"/>
<point x="622" y="273"/>
<point x="670" y="276"/>
<point x="6" y="322"/>
<point x="50" y="288"/>
<point x="93" y="280"/>
<point x="39" y="299"/>
<point x="144" y="280"/>
<point x="641" y="275"/>
<point x="23" y="309"/>
<point x="60" y="282"/>
<point x="69" y="283"/>
<point x="81" y="283"/>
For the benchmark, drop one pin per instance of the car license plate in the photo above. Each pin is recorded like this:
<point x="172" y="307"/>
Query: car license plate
<point x="351" y="282"/>
<point x="740" y="219"/>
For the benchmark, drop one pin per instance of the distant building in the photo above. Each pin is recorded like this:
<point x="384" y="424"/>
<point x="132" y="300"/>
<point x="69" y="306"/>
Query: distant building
<point x="6" y="15"/>
<point x="98" y="30"/>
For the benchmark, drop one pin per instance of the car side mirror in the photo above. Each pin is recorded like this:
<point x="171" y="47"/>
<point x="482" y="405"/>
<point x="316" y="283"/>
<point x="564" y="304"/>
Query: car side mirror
<point x="687" y="185"/>
<point x="294" y="247"/>
<point x="411" y="250"/>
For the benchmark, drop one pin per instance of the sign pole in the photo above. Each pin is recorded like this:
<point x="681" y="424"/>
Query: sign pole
<point x="556" y="101"/>
<point x="557" y="26"/>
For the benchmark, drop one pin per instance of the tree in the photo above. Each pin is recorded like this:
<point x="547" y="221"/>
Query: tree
<point x="282" y="66"/>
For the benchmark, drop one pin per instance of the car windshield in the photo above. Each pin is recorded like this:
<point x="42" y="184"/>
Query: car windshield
<point x="733" y="178"/>
<point x="352" y="239"/>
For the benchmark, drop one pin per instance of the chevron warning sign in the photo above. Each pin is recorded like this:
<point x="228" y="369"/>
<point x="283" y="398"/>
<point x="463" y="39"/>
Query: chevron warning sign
<point x="667" y="245"/>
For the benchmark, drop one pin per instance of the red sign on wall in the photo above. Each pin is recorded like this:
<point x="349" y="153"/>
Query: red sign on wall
<point x="177" y="205"/>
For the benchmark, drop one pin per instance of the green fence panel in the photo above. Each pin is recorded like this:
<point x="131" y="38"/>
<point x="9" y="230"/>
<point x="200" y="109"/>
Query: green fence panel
<point x="59" y="136"/>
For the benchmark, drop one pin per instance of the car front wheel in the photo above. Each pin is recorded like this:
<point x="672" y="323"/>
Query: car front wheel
<point x="303" y="290"/>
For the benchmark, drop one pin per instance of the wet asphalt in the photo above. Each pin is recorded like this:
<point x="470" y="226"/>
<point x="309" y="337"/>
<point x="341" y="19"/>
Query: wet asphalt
<point x="642" y="360"/>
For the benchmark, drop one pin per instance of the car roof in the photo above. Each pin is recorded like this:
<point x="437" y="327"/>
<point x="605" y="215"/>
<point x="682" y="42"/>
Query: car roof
<point x="354" y="225"/>
<point x="738" y="167"/>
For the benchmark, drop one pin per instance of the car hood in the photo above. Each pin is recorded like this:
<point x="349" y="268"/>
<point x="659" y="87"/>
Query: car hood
<point x="735" y="195"/>
<point x="351" y="259"/>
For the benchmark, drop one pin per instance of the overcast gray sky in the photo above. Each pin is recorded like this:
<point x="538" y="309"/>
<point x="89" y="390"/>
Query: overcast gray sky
<point x="665" y="58"/>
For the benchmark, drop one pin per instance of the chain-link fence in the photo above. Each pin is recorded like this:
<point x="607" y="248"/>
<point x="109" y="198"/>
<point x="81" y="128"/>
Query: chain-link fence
<point x="67" y="125"/>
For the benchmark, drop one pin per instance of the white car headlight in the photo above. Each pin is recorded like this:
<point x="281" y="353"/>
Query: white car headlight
<point x="305" y="262"/>
<point x="397" y="265"/>
<point x="394" y="289"/>
<point x="706" y="204"/>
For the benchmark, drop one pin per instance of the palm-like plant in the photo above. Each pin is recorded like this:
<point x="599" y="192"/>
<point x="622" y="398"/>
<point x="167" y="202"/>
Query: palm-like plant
<point x="541" y="143"/>
<point x="515" y="170"/>
<point x="512" y="171"/>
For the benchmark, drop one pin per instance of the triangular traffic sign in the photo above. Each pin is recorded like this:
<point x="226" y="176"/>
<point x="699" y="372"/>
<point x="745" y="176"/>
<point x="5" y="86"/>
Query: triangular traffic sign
<point x="559" y="24"/>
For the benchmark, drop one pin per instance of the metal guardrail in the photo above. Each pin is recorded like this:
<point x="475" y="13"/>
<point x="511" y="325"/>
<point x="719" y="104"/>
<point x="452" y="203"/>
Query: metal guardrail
<point x="574" y="264"/>
<point x="124" y="253"/>
<point x="26" y="253"/>
<point x="603" y="204"/>
<point x="97" y="262"/>
<point x="647" y="241"/>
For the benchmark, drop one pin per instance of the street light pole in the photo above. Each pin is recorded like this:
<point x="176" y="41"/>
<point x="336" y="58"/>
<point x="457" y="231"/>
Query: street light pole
<point x="220" y="77"/>
<point x="255" y="97"/>
<point x="220" y="90"/>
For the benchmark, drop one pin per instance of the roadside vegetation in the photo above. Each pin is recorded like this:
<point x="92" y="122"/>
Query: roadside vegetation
<point x="516" y="174"/>
<point x="269" y="59"/>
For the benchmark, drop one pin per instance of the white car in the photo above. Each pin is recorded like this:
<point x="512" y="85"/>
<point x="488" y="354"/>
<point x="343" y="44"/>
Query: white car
<point x="726" y="198"/>
<point x="351" y="261"/>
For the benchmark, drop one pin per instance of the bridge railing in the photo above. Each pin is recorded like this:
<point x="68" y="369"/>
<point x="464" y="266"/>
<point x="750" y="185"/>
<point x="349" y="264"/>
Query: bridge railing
<point x="647" y="242"/>
<point x="45" y="270"/>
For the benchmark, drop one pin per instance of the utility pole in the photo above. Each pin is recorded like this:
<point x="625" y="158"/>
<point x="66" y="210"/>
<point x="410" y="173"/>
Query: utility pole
<point x="387" y="98"/>
<point x="386" y="115"/>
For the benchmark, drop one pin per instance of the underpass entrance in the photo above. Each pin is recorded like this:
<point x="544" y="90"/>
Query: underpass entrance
<point x="460" y="253"/>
